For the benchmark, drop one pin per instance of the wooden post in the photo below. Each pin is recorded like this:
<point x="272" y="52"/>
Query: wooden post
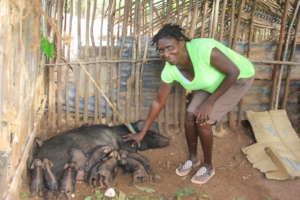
<point x="276" y="70"/>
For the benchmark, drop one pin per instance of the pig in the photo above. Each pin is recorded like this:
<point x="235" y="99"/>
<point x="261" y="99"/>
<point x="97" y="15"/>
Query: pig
<point x="98" y="154"/>
<point x="92" y="178"/>
<point x="139" y="174"/>
<point x="104" y="171"/>
<point x="67" y="183"/>
<point x="88" y="138"/>
<point x="37" y="186"/>
<point x="80" y="158"/>
<point x="50" y="178"/>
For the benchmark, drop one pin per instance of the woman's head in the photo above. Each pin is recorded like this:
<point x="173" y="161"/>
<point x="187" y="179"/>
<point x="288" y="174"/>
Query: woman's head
<point x="170" y="43"/>
<point x="170" y="31"/>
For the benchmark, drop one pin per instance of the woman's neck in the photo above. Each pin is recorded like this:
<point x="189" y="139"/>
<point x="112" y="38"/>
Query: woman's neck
<point x="186" y="63"/>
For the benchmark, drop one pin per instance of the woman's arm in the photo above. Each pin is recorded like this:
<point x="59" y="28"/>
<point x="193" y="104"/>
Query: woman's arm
<point x="224" y="65"/>
<point x="156" y="106"/>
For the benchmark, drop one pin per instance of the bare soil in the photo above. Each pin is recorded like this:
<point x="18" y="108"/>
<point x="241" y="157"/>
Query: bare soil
<point x="235" y="178"/>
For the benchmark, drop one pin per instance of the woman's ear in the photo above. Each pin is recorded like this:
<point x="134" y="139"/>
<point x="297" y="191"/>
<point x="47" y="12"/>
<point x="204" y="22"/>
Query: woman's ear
<point x="181" y="43"/>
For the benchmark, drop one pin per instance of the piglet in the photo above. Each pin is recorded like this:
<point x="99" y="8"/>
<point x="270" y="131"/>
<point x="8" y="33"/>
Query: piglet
<point x="37" y="181"/>
<point x="98" y="154"/>
<point x="133" y="166"/>
<point x="51" y="181"/>
<point x="67" y="183"/>
<point x="108" y="169"/>
<point x="79" y="157"/>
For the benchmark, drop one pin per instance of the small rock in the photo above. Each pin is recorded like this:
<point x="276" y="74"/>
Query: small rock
<point x="110" y="193"/>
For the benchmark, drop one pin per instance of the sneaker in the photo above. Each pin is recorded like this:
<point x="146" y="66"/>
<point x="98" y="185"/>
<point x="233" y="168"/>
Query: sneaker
<point x="203" y="175"/>
<point x="186" y="168"/>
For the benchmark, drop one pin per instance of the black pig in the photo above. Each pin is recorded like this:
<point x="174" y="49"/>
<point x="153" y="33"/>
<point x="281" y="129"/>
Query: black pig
<point x="87" y="138"/>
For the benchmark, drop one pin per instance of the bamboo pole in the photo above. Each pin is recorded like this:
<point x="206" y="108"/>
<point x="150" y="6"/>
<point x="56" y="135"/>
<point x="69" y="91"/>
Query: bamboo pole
<point x="278" y="54"/>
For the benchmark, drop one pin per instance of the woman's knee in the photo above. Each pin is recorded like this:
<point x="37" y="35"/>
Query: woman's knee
<point x="190" y="118"/>
<point x="205" y="129"/>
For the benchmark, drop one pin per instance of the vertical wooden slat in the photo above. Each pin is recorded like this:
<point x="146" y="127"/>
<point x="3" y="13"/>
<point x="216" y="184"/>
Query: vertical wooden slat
<point x="92" y="26"/>
<point x="250" y="35"/>
<point x="59" y="69"/>
<point x="232" y="122"/>
<point x="237" y="26"/>
<point x="233" y="2"/>
<point x="203" y="19"/>
<point x="289" y="68"/>
<point x="221" y="39"/>
<point x="77" y="70"/>
<point x="51" y="90"/>
<point x="86" y="55"/>
<point x="67" y="72"/>
<point x="275" y="75"/>
<point x="194" y="21"/>
<point x="138" y="65"/>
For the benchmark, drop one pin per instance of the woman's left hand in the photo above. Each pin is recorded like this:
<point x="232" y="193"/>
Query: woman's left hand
<point x="202" y="112"/>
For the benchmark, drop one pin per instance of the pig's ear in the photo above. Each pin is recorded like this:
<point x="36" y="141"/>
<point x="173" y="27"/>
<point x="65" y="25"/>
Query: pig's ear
<point x="38" y="142"/>
<point x="140" y="124"/>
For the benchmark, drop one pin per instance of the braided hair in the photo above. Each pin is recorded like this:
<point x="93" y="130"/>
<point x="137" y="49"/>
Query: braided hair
<point x="170" y="31"/>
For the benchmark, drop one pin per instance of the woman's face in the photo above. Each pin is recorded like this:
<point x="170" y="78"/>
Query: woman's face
<point x="171" y="50"/>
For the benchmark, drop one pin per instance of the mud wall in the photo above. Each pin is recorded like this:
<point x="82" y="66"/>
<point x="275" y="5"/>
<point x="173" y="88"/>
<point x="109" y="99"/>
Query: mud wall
<point x="21" y="90"/>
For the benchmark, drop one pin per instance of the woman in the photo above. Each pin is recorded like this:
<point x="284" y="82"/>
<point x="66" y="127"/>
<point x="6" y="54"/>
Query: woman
<point x="218" y="78"/>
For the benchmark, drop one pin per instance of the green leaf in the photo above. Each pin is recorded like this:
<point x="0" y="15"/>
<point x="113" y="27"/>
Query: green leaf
<point x="186" y="191"/>
<point x="88" y="198"/>
<point x="98" y="195"/>
<point x="47" y="47"/>
<point x="24" y="195"/>
<point x="145" y="189"/>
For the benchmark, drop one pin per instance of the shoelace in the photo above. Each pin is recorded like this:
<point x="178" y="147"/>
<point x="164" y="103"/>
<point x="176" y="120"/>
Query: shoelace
<point x="201" y="171"/>
<point x="188" y="164"/>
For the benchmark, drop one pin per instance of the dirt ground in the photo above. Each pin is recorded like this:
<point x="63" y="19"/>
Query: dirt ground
<point x="235" y="178"/>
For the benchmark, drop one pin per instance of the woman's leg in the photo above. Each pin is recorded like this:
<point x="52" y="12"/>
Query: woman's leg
<point x="206" y="138"/>
<point x="191" y="136"/>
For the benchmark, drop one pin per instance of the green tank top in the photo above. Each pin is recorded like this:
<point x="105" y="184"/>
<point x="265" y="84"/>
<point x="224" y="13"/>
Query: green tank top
<point x="206" y="77"/>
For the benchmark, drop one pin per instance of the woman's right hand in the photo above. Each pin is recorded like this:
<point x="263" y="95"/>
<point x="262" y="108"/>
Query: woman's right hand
<point x="136" y="137"/>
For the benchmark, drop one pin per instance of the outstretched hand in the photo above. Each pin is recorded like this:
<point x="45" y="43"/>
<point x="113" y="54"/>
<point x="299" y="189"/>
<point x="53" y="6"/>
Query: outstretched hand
<point x="136" y="137"/>
<point x="202" y="112"/>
